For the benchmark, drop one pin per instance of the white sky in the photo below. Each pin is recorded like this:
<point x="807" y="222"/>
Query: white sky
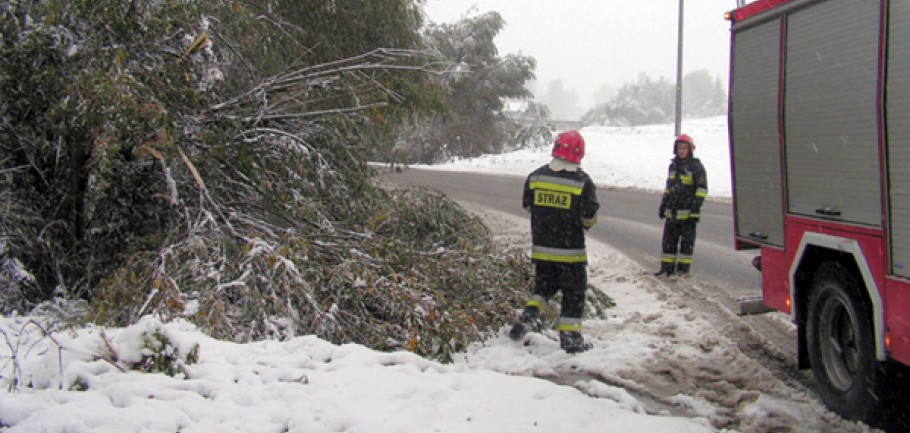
<point x="592" y="43"/>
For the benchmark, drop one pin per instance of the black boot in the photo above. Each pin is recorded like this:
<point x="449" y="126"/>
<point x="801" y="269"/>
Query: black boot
<point x="573" y="342"/>
<point x="527" y="322"/>
<point x="665" y="269"/>
<point x="682" y="269"/>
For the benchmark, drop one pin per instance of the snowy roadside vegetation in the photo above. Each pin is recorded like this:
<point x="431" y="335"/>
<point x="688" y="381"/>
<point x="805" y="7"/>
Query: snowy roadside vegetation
<point x="206" y="161"/>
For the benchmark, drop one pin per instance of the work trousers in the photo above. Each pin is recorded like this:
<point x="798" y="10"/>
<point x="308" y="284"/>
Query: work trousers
<point x="678" y="245"/>
<point x="569" y="278"/>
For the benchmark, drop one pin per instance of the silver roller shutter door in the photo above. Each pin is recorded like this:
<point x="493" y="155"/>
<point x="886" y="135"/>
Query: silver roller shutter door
<point x="754" y="133"/>
<point x="831" y="131"/>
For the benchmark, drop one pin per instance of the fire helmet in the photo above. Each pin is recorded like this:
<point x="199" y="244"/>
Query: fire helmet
<point x="570" y="146"/>
<point x="685" y="138"/>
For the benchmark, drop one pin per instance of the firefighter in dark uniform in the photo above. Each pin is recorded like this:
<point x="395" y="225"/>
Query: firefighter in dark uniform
<point x="562" y="201"/>
<point x="685" y="191"/>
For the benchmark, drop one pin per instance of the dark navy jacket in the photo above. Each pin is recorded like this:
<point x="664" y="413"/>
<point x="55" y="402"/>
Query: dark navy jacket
<point x="563" y="204"/>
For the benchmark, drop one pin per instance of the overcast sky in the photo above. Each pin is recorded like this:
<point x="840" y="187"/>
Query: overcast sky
<point x="591" y="43"/>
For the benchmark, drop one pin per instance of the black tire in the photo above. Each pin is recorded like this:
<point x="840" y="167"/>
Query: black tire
<point x="841" y="344"/>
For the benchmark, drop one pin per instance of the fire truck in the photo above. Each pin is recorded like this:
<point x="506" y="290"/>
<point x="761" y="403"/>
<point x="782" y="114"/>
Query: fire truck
<point x="819" y="125"/>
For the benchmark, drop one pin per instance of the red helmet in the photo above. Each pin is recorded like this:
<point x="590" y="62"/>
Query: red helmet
<point x="570" y="146"/>
<point x="685" y="138"/>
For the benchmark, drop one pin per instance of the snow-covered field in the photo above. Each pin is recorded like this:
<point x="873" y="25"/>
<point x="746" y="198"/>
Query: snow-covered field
<point x="634" y="157"/>
<point x="658" y="365"/>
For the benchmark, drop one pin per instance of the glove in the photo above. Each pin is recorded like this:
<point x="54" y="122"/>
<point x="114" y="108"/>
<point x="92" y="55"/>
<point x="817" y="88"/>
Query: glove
<point x="661" y="213"/>
<point x="695" y="215"/>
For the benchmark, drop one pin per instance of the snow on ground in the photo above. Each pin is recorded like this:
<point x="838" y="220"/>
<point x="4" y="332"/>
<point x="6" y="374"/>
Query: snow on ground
<point x="659" y="354"/>
<point x="657" y="366"/>
<point x="309" y="385"/>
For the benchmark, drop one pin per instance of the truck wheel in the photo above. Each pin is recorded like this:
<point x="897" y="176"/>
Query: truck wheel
<point x="842" y="346"/>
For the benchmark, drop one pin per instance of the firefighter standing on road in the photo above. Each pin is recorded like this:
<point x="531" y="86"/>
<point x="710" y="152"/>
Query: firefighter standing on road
<point x="562" y="201"/>
<point x="685" y="191"/>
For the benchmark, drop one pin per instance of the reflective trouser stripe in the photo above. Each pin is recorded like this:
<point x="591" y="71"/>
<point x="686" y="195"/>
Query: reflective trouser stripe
<point x="570" y="324"/>
<point x="536" y="301"/>
<point x="674" y="259"/>
<point x="559" y="255"/>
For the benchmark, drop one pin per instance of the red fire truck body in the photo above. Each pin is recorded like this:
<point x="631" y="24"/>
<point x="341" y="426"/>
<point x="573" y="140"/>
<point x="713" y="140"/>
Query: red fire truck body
<point x="819" y="119"/>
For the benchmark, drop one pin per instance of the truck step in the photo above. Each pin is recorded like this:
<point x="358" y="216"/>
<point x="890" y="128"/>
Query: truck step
<point x="749" y="305"/>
